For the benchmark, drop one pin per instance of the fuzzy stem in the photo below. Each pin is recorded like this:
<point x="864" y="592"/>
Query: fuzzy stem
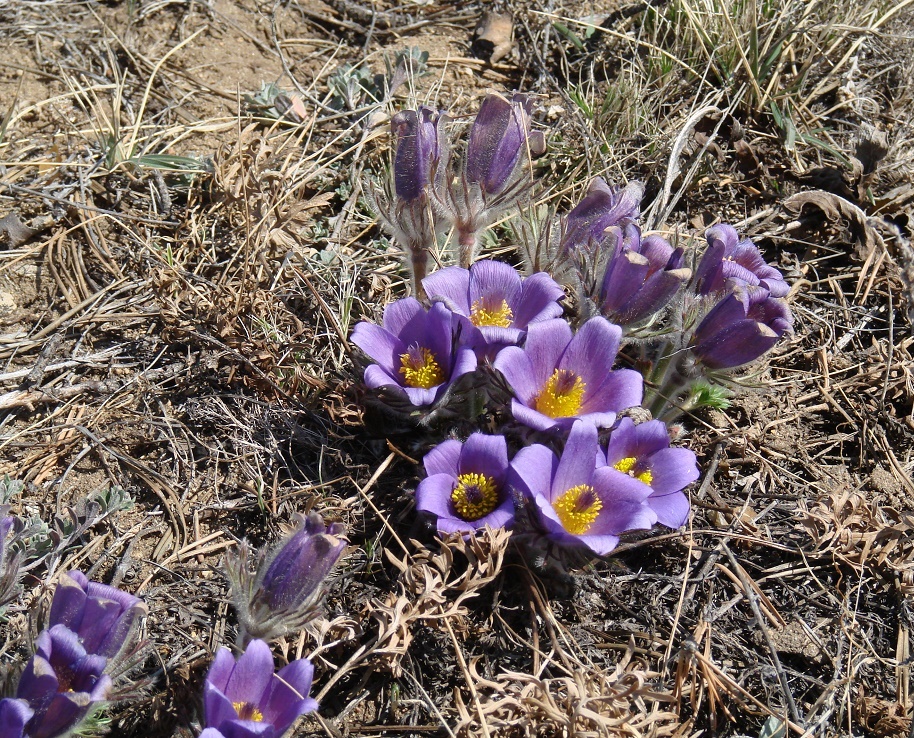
<point x="466" y="247"/>
<point x="418" y="268"/>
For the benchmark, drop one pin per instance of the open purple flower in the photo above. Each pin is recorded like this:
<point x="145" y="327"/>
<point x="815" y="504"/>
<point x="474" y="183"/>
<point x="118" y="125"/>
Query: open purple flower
<point x="14" y="714"/>
<point x="643" y="452"/>
<point x="578" y="502"/>
<point x="414" y="350"/>
<point x="641" y="277"/>
<point x="499" y="141"/>
<point x="282" y="593"/>
<point x="61" y="682"/>
<point x="104" y="618"/>
<point x="740" y="328"/>
<point x="557" y="377"/>
<point x="244" y="698"/>
<point x="465" y="486"/>
<point x="603" y="206"/>
<point x="496" y="304"/>
<point x="418" y="151"/>
<point x="728" y="261"/>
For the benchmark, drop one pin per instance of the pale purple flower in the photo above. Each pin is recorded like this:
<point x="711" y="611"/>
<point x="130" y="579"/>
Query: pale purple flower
<point x="641" y="276"/>
<point x="414" y="350"/>
<point x="466" y="484"/>
<point x="498" y="142"/>
<point x="418" y="151"/>
<point x="103" y="617"/>
<point x="578" y="503"/>
<point x="643" y="452"/>
<point x="283" y="591"/>
<point x="728" y="261"/>
<point x="61" y="683"/>
<point x="495" y="304"/>
<point x="14" y="714"/>
<point x="10" y="559"/>
<point x="740" y="328"/>
<point x="603" y="206"/>
<point x="557" y="377"/>
<point x="244" y="698"/>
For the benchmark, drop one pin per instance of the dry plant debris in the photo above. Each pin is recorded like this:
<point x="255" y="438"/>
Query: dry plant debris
<point x="184" y="252"/>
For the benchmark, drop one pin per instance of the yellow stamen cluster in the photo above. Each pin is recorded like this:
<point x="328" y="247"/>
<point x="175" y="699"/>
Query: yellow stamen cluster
<point x="562" y="395"/>
<point x="420" y="368"/>
<point x="578" y="508"/>
<point x="484" y="313"/>
<point x="474" y="496"/>
<point x="627" y="465"/>
<point x="247" y="711"/>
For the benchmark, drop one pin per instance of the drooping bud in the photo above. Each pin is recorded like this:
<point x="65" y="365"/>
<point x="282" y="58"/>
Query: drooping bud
<point x="740" y="328"/>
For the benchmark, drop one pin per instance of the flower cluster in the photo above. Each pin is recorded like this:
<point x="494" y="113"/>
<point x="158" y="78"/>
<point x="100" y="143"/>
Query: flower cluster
<point x="535" y="405"/>
<point x="91" y="628"/>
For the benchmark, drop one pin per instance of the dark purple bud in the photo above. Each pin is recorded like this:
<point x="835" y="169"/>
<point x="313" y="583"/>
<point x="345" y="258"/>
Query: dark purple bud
<point x="641" y="277"/>
<point x="728" y="261"/>
<point x="105" y="618"/>
<point x="499" y="141"/>
<point x="602" y="207"/>
<point x="302" y="563"/>
<point x="418" y="151"/>
<point x="14" y="714"/>
<point x="61" y="682"/>
<point x="740" y="328"/>
<point x="245" y="698"/>
<point x="283" y="593"/>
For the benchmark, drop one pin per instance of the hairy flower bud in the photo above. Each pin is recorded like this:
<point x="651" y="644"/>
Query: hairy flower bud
<point x="10" y="559"/>
<point x="418" y="151"/>
<point x="602" y="207"/>
<point x="282" y="593"/>
<point x="499" y="141"/>
<point x="740" y="328"/>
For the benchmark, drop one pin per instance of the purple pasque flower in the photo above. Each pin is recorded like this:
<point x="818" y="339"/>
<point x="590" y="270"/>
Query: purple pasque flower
<point x="414" y="350"/>
<point x="244" y="698"/>
<point x="495" y="303"/>
<point x="641" y="276"/>
<point x="418" y="151"/>
<point x="14" y="714"/>
<point x="557" y="377"/>
<point x="643" y="452"/>
<point x="603" y="206"/>
<point x="104" y="618"/>
<point x="10" y="559"/>
<point x="466" y="484"/>
<point x="282" y="593"/>
<point x="61" y="683"/>
<point x="728" y="261"/>
<point x="499" y="141"/>
<point x="740" y="328"/>
<point x="578" y="502"/>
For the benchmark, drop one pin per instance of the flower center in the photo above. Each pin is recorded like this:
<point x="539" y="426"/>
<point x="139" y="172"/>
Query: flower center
<point x="420" y="368"/>
<point x="562" y="395"/>
<point x="247" y="711"/>
<point x="474" y="496"/>
<point x="629" y="465"/>
<point x="487" y="311"/>
<point x="578" y="508"/>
